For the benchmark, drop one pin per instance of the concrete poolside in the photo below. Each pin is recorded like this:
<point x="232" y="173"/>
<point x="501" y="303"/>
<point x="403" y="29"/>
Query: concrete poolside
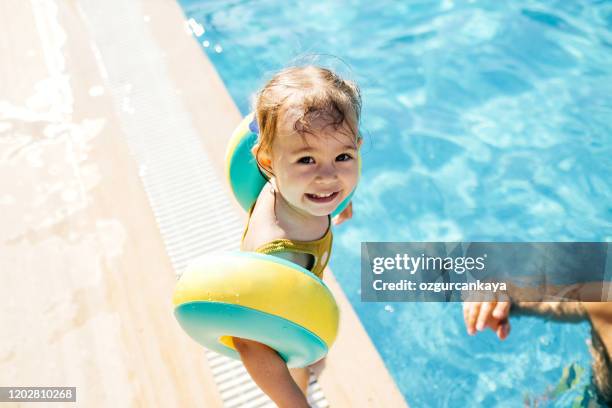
<point x="88" y="249"/>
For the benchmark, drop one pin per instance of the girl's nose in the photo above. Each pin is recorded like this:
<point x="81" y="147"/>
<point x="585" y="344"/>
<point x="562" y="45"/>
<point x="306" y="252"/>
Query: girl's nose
<point x="327" y="174"/>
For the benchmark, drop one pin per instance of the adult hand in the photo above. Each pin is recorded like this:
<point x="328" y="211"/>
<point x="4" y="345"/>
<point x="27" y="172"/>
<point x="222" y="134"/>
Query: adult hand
<point x="346" y="214"/>
<point x="493" y="314"/>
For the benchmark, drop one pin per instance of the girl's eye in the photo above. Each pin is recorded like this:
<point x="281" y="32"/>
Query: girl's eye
<point x="306" y="160"/>
<point x="344" y="157"/>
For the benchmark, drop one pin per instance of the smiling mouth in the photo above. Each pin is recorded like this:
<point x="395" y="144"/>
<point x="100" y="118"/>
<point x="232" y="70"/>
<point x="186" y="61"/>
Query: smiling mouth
<point x="323" y="198"/>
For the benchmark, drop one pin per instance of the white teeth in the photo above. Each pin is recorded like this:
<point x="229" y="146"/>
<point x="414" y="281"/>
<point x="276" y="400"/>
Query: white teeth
<point x="322" y="195"/>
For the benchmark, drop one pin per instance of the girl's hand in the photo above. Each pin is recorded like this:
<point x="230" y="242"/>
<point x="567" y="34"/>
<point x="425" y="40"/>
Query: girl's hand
<point x="346" y="214"/>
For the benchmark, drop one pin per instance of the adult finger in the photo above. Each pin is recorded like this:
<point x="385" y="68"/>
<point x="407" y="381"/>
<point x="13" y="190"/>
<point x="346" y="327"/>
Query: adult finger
<point x="484" y="315"/>
<point x="503" y="330"/>
<point x="502" y="309"/>
<point x="472" y="316"/>
<point x="466" y="312"/>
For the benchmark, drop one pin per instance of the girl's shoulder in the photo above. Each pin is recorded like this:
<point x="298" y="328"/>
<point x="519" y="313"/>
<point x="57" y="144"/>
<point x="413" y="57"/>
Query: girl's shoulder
<point x="262" y="224"/>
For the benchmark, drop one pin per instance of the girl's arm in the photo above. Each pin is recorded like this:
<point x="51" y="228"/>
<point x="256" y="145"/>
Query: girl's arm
<point x="346" y="214"/>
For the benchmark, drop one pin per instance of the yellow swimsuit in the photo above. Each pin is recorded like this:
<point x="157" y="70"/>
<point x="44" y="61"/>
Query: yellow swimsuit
<point x="320" y="249"/>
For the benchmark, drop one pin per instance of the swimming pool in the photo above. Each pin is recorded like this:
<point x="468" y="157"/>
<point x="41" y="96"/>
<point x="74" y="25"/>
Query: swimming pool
<point x="484" y="121"/>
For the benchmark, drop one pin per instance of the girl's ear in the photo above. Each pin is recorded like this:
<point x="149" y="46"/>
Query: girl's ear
<point x="263" y="158"/>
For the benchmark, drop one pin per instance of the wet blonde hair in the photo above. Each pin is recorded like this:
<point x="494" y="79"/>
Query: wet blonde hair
<point x="310" y="92"/>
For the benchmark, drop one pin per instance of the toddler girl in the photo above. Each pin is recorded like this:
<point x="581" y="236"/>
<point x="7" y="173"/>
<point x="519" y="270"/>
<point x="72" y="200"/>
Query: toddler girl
<point x="308" y="119"/>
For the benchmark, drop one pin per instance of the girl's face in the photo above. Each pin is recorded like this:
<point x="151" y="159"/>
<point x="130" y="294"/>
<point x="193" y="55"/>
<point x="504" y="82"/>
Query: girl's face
<point x="314" y="173"/>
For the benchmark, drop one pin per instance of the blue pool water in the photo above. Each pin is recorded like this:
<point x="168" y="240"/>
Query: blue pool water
<point x="484" y="120"/>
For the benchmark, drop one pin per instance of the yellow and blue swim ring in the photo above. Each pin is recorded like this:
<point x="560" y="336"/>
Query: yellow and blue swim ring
<point x="258" y="297"/>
